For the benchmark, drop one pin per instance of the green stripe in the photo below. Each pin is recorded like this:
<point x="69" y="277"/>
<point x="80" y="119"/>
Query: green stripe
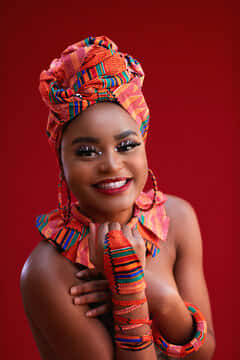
<point x="125" y="76"/>
<point x="197" y="334"/>
<point x="44" y="222"/>
<point x="126" y="248"/>
<point x="75" y="87"/>
<point x="103" y="69"/>
<point x="71" y="110"/>
<point x="191" y="309"/>
<point x="124" y="253"/>
<point x="123" y="281"/>
<point x="74" y="239"/>
<point x="98" y="69"/>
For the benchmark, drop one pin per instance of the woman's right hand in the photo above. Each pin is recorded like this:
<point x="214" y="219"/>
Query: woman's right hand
<point x="94" y="290"/>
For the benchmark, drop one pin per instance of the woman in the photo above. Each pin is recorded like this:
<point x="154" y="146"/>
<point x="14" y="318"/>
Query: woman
<point x="99" y="288"/>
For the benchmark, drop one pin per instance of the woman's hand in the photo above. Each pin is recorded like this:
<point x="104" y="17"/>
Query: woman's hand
<point x="94" y="290"/>
<point x="97" y="237"/>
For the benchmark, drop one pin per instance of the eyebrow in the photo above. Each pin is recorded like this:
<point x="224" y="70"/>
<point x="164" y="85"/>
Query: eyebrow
<point x="94" y="140"/>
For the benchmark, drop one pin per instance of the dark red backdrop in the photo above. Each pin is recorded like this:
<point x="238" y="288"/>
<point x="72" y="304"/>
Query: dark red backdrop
<point x="186" y="52"/>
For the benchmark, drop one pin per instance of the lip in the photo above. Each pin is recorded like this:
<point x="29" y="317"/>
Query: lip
<point x="117" y="190"/>
<point x="109" y="180"/>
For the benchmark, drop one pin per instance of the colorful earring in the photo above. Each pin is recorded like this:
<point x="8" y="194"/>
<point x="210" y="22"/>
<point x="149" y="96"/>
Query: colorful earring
<point x="155" y="189"/>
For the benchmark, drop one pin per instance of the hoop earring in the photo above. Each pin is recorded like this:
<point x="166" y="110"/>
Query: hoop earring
<point x="65" y="209"/>
<point x="155" y="189"/>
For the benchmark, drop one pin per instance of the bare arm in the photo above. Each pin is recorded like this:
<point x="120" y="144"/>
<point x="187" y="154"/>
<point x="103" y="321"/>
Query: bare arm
<point x="45" y="281"/>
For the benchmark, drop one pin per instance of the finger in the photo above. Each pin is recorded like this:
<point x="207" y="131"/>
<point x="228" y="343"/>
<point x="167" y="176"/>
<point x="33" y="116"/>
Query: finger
<point x="137" y="235"/>
<point x="102" y="232"/>
<point x="91" y="240"/>
<point x="127" y="233"/>
<point x="88" y="274"/>
<point x="90" y="286"/>
<point x="96" y="297"/>
<point x="100" y="310"/>
<point x="114" y="226"/>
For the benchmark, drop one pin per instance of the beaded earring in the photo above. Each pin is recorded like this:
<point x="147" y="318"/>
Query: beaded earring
<point x="155" y="189"/>
<point x="65" y="209"/>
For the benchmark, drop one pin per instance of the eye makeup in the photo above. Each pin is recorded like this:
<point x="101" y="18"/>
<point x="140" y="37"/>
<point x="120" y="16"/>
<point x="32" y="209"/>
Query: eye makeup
<point x="91" y="151"/>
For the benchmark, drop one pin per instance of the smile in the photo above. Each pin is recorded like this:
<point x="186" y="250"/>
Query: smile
<point x="113" y="186"/>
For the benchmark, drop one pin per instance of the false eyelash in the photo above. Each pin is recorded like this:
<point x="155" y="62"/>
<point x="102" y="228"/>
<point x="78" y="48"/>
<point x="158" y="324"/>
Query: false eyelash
<point x="122" y="147"/>
<point x="85" y="150"/>
<point x="128" y="143"/>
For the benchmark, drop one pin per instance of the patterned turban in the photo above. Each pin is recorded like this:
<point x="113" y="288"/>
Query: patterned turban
<point x="89" y="72"/>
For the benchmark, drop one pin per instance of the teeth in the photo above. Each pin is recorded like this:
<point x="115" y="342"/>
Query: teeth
<point x="112" y="185"/>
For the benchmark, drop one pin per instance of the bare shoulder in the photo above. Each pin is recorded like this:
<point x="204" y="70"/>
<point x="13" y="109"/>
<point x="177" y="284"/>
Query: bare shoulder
<point x="184" y="227"/>
<point x="45" y="262"/>
<point x="178" y="208"/>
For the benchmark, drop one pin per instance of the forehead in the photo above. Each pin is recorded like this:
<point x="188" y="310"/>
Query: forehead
<point x="101" y="120"/>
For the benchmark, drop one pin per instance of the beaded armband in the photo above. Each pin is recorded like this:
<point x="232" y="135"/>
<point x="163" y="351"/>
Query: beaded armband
<point x="133" y="343"/>
<point x="179" y="351"/>
<point x="122" y="267"/>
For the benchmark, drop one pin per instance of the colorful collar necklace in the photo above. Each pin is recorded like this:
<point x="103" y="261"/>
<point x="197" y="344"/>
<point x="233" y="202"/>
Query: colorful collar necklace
<point x="71" y="239"/>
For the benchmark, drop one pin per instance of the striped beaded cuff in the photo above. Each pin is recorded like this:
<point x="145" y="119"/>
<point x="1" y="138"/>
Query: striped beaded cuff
<point x="133" y="343"/>
<point x="122" y="267"/>
<point x="179" y="351"/>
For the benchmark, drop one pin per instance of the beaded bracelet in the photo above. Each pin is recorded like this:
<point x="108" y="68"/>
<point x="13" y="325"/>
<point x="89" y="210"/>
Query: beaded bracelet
<point x="194" y="344"/>
<point x="127" y="309"/>
<point x="133" y="343"/>
<point x="122" y="267"/>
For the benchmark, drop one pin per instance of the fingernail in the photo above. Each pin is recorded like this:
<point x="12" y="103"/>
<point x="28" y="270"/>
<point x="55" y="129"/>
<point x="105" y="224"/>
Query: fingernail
<point x="73" y="291"/>
<point x="77" y="301"/>
<point x="78" y="275"/>
<point x="88" y="313"/>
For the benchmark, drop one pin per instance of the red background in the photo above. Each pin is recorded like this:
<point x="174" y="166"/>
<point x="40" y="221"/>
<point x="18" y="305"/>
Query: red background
<point x="186" y="51"/>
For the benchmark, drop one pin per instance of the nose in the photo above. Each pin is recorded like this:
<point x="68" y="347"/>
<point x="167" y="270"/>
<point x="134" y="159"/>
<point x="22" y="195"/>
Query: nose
<point x="111" y="162"/>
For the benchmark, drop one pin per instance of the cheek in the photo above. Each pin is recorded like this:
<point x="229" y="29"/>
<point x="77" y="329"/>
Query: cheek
<point x="141" y="167"/>
<point x="75" y="174"/>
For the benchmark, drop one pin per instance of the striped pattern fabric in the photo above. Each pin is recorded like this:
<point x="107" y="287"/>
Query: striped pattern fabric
<point x="179" y="351"/>
<point x="122" y="267"/>
<point x="89" y="72"/>
<point x="71" y="239"/>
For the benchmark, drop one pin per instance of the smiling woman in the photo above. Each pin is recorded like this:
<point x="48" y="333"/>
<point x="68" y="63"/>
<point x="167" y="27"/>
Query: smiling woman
<point x="129" y="300"/>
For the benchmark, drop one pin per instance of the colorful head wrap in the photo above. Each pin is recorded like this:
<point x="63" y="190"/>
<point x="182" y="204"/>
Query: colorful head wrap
<point x="89" y="72"/>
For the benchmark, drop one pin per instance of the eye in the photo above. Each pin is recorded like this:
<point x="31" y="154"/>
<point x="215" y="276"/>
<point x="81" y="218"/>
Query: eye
<point x="127" y="145"/>
<point x="87" y="151"/>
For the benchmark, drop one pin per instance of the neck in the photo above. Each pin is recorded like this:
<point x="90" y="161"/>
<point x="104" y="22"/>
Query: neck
<point x="122" y="217"/>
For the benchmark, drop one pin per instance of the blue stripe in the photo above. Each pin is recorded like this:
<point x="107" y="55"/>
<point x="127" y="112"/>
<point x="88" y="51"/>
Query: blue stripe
<point x="76" y="107"/>
<point x="128" y="340"/>
<point x="78" y="82"/>
<point x="39" y="220"/>
<point x="68" y="239"/>
<point x="154" y="252"/>
<point x="164" y="343"/>
<point x="129" y="275"/>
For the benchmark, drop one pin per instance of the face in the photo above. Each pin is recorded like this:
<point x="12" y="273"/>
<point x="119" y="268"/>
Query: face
<point x="104" y="162"/>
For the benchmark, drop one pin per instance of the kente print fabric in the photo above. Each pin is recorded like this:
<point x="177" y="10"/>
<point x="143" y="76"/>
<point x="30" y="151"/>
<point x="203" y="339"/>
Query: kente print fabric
<point x="71" y="239"/>
<point x="88" y="72"/>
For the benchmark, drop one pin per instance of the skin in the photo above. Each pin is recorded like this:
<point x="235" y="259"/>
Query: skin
<point x="57" y="296"/>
